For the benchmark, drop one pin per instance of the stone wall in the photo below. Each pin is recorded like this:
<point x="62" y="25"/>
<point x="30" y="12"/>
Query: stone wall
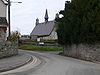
<point x="8" y="49"/>
<point x="83" y="51"/>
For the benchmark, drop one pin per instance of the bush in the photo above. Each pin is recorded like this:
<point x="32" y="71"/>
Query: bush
<point x="14" y="36"/>
<point x="27" y="40"/>
<point x="49" y="41"/>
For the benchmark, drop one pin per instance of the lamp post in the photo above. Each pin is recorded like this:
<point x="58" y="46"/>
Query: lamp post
<point x="9" y="4"/>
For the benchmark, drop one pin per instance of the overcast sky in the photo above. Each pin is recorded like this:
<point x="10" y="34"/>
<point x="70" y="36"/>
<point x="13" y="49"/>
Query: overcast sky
<point x="23" y="16"/>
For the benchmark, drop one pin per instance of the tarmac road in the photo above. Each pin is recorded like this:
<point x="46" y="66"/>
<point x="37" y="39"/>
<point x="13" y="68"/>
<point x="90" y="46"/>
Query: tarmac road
<point x="48" y="63"/>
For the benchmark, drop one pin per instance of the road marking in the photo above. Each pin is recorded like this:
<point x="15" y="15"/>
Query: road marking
<point x="23" y="68"/>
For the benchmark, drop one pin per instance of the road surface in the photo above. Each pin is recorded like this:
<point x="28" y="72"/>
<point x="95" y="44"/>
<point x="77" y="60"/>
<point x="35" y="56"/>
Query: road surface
<point x="48" y="63"/>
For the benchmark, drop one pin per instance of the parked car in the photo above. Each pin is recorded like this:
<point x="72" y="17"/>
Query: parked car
<point x="41" y="43"/>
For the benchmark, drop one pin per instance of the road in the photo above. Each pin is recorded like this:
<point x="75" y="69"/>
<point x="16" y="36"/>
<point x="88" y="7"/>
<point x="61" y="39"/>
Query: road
<point x="48" y="63"/>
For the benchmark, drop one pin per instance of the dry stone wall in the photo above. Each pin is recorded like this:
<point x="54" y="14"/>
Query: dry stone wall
<point x="8" y="49"/>
<point x="83" y="51"/>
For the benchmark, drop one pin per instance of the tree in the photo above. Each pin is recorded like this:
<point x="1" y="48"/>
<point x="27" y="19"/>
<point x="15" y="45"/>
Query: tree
<point x="80" y="22"/>
<point x="15" y="36"/>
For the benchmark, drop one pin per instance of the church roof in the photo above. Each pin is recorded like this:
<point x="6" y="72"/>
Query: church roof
<point x="43" y="29"/>
<point x="3" y="21"/>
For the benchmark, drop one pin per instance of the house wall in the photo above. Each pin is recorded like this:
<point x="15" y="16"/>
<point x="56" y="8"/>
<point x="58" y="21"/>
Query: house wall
<point x="2" y="34"/>
<point x="2" y="9"/>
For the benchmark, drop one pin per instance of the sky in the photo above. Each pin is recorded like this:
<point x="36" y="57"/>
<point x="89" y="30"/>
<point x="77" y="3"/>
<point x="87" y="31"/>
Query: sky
<point x="24" y="15"/>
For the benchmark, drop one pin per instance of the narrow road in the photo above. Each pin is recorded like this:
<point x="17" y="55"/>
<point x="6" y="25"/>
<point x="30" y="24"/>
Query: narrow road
<point x="48" y="63"/>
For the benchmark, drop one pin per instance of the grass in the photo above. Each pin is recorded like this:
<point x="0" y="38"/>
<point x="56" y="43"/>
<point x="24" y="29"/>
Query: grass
<point x="41" y="48"/>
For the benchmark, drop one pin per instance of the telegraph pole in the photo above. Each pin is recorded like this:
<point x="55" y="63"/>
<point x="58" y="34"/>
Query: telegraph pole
<point x="9" y="18"/>
<point x="9" y="21"/>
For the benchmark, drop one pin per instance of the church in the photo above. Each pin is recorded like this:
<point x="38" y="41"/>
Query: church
<point x="3" y="21"/>
<point x="45" y="30"/>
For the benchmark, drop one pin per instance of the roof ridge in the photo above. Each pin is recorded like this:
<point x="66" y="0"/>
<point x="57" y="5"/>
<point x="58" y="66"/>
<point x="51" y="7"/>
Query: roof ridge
<point x="47" y="22"/>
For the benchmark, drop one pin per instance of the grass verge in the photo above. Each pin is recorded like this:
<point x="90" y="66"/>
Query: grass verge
<point x="40" y="48"/>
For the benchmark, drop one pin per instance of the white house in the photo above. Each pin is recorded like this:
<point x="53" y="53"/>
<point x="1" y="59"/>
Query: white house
<point x="45" y="30"/>
<point x="3" y="21"/>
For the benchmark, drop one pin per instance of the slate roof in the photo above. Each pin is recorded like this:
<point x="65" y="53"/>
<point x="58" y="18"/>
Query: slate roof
<point x="3" y="21"/>
<point x="43" y="29"/>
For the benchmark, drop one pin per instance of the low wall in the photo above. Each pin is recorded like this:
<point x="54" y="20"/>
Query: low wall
<point x="83" y="51"/>
<point x="8" y="49"/>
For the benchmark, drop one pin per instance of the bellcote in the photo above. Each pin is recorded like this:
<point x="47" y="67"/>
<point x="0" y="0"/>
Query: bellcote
<point x="46" y="16"/>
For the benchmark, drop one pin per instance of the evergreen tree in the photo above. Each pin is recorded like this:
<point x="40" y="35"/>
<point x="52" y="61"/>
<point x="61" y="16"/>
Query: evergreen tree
<point x="80" y="22"/>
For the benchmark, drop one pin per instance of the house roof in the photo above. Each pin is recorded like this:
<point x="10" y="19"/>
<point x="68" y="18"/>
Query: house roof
<point x="3" y="21"/>
<point x="5" y="2"/>
<point x="43" y="29"/>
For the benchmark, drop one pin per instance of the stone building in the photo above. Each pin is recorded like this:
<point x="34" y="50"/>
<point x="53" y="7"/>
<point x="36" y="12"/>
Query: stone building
<point x="7" y="48"/>
<point x="3" y="21"/>
<point x="45" y="30"/>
